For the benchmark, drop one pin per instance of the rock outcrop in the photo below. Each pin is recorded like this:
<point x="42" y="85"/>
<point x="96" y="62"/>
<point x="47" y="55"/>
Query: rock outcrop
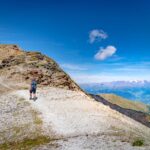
<point x="18" y="67"/>
<point x="7" y="50"/>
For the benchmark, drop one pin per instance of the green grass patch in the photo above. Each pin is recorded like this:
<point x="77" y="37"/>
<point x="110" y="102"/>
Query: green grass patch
<point x="148" y="118"/>
<point x="125" y="103"/>
<point x="26" y="144"/>
<point x="37" y="119"/>
<point x="138" y="142"/>
<point x="148" y="108"/>
<point x="25" y="88"/>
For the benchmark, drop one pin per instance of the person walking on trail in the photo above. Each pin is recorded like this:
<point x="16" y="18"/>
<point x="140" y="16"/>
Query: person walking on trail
<point x="33" y="88"/>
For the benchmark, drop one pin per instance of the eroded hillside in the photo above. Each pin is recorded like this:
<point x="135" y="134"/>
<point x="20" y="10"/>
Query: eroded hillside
<point x="18" y="67"/>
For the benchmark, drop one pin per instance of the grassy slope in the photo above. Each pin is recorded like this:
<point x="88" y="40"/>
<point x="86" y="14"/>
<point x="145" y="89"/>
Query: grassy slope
<point x="149" y="108"/>
<point x="125" y="103"/>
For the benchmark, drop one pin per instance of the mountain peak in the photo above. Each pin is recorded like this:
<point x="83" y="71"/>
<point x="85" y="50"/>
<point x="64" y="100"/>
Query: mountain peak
<point x="10" y="47"/>
<point x="18" y="67"/>
<point x="7" y="50"/>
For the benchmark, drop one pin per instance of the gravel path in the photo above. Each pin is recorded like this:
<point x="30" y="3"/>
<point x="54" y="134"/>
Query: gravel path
<point x="83" y="122"/>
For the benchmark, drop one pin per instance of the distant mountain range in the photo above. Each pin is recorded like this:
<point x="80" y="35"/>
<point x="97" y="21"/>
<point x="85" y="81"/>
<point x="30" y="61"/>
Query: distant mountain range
<point x="132" y="90"/>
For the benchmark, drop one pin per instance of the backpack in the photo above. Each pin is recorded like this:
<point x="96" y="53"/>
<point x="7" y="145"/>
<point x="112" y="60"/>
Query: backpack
<point x="34" y="84"/>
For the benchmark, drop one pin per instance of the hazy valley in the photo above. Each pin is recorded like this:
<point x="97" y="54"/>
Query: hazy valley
<point x="133" y="90"/>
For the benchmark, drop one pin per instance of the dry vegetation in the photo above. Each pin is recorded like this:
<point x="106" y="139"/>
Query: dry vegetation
<point x="125" y="103"/>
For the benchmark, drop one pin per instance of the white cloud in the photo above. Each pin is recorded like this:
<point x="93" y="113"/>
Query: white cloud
<point x="73" y="67"/>
<point x="98" y="78"/>
<point x="107" y="72"/>
<point x="104" y="53"/>
<point x="96" y="35"/>
<point x="88" y="78"/>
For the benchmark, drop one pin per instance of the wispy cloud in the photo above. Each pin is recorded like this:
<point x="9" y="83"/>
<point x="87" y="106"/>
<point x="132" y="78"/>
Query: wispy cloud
<point x="104" y="53"/>
<point x="107" y="72"/>
<point x="97" y="35"/>
<point x="73" y="67"/>
<point x="107" y="77"/>
<point x="115" y="58"/>
<point x="98" y="78"/>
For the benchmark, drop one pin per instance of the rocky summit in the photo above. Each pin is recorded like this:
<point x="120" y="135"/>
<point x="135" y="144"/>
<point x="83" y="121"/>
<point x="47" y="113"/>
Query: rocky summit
<point x="18" y="67"/>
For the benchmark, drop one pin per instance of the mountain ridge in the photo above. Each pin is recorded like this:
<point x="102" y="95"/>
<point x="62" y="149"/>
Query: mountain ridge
<point x="21" y="66"/>
<point x="63" y="116"/>
<point x="137" y="111"/>
<point x="125" y="103"/>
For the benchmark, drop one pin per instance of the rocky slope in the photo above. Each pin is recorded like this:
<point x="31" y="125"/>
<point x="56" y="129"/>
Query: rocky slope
<point x="8" y="50"/>
<point x="137" y="115"/>
<point x="65" y="119"/>
<point x="63" y="116"/>
<point x="18" y="67"/>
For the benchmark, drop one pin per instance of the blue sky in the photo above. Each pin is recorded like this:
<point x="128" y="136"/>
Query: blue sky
<point x="92" y="40"/>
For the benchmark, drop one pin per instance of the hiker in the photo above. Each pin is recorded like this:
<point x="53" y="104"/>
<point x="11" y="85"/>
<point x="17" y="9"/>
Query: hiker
<point x="33" y="87"/>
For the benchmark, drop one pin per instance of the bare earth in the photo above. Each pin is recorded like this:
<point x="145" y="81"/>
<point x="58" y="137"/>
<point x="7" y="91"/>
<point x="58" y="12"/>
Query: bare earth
<point x="79" y="122"/>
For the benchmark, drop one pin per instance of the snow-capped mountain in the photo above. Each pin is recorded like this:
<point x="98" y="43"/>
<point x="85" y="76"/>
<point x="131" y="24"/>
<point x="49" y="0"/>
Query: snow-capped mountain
<point x="119" y="84"/>
<point x="133" y="90"/>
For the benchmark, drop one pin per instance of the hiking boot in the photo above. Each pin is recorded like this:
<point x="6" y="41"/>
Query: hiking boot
<point x="35" y="98"/>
